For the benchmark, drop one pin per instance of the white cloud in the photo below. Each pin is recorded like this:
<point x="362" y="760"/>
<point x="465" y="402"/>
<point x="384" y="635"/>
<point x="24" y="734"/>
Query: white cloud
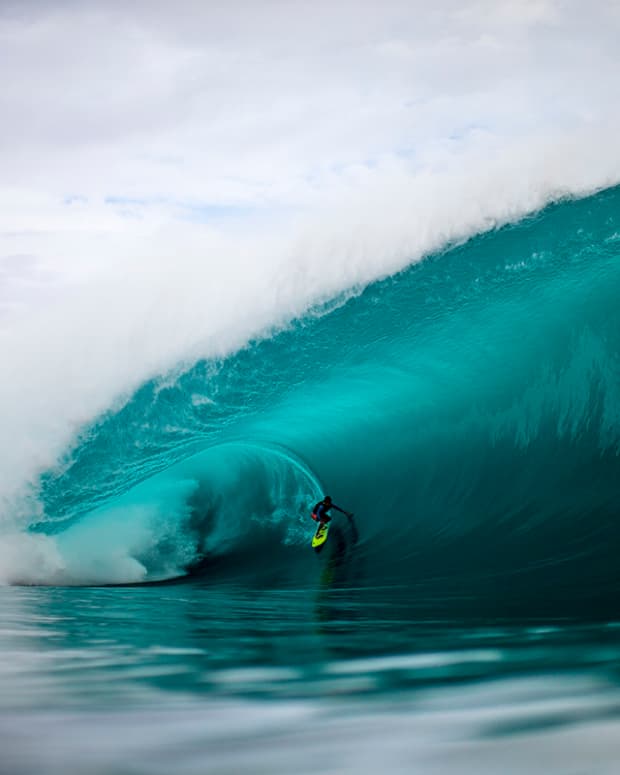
<point x="243" y="104"/>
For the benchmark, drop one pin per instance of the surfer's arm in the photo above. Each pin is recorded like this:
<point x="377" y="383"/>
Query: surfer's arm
<point x="342" y="511"/>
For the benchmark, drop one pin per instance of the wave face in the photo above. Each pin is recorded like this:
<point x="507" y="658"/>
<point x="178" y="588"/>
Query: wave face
<point x="467" y="410"/>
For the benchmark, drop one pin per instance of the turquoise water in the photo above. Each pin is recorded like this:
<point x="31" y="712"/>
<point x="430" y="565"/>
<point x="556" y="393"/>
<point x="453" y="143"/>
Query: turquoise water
<point x="221" y="678"/>
<point x="468" y="411"/>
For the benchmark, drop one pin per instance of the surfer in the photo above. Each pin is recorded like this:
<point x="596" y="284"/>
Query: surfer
<point x="320" y="511"/>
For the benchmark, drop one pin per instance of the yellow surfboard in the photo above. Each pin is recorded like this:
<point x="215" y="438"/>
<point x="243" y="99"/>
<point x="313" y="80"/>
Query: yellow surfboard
<point x="320" y="536"/>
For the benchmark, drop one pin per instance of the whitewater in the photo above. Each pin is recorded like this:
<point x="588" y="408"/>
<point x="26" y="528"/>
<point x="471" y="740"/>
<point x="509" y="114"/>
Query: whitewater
<point x="249" y="258"/>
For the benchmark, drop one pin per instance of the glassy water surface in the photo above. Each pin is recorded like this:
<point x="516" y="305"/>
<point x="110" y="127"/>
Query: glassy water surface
<point x="190" y="678"/>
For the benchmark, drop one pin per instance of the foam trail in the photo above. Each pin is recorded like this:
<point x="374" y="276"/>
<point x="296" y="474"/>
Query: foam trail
<point x="111" y="545"/>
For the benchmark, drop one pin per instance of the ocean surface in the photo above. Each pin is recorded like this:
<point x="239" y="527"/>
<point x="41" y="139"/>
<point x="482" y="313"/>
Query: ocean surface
<point x="167" y="614"/>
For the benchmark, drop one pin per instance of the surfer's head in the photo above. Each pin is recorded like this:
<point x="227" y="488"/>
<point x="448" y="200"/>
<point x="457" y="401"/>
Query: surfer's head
<point x="327" y="499"/>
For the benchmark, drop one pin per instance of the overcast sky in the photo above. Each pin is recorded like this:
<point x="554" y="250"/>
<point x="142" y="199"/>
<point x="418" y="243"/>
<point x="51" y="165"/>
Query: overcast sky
<point x="203" y="111"/>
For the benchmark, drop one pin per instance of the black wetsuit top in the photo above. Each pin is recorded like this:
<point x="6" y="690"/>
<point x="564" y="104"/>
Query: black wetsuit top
<point x="321" y="509"/>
